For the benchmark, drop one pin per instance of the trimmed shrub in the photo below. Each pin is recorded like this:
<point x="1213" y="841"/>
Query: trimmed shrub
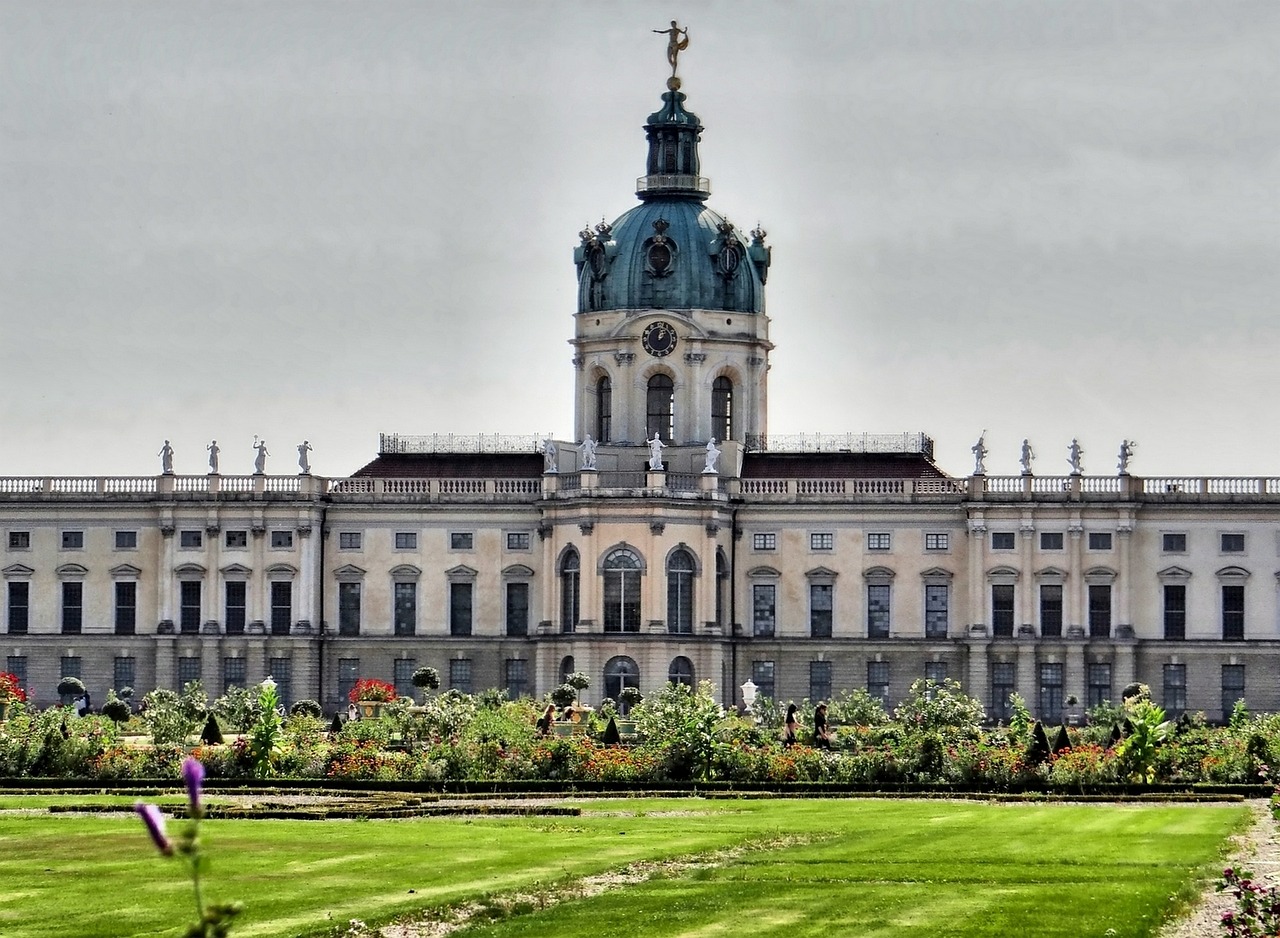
<point x="306" y="708"/>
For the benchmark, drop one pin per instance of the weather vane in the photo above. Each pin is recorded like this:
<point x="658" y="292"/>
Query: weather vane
<point x="677" y="42"/>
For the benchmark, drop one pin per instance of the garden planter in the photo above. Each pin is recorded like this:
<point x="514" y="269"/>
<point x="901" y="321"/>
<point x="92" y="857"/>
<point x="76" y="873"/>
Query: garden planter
<point x="626" y="727"/>
<point x="370" y="709"/>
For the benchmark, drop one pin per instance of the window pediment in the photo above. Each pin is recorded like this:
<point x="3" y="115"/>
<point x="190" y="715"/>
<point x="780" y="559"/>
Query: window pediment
<point x="282" y="570"/>
<point x="763" y="572"/>
<point x="1051" y="574"/>
<point x="821" y="573"/>
<point x="1174" y="573"/>
<point x="936" y="573"/>
<point x="878" y="573"/>
<point x="125" y="571"/>
<point x="349" y="571"/>
<point x="190" y="569"/>
<point x="236" y="571"/>
<point x="1100" y="575"/>
<point x="72" y="570"/>
<point x="1003" y="572"/>
<point x="518" y="570"/>
<point x="406" y="571"/>
<point x="17" y="571"/>
<point x="461" y="572"/>
<point x="1232" y="573"/>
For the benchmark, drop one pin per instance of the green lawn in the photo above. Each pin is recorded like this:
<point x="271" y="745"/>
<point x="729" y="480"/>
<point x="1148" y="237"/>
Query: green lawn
<point x="857" y="867"/>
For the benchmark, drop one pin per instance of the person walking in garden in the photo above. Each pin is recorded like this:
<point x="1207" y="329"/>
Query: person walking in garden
<point x="821" y="731"/>
<point x="544" y="721"/>
<point x="790" y="727"/>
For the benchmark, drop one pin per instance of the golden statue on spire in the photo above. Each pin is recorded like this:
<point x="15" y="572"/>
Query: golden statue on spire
<point x="677" y="42"/>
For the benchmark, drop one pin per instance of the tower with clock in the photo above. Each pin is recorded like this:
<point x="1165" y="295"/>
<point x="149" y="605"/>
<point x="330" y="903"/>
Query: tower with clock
<point x="671" y="335"/>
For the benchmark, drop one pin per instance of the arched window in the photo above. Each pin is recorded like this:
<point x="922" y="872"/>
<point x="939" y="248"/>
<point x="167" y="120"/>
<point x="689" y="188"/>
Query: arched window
<point x="680" y="671"/>
<point x="661" y="407"/>
<point x="566" y="668"/>
<point x="604" y="410"/>
<point x="622" y="592"/>
<point x="620" y="672"/>
<point x="680" y="592"/>
<point x="722" y="588"/>
<point x="722" y="409"/>
<point x="570" y="568"/>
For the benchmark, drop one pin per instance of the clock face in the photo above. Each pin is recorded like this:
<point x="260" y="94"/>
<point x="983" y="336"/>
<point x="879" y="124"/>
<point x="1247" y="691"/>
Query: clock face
<point x="659" y="339"/>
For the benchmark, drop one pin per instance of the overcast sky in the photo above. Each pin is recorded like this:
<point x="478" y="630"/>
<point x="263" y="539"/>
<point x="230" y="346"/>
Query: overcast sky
<point x="325" y="220"/>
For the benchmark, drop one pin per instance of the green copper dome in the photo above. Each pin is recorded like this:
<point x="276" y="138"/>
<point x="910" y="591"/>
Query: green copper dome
<point x="671" y="251"/>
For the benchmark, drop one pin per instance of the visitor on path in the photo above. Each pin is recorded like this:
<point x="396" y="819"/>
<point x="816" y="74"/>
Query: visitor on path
<point x="790" y="727"/>
<point x="544" y="721"/>
<point x="821" y="731"/>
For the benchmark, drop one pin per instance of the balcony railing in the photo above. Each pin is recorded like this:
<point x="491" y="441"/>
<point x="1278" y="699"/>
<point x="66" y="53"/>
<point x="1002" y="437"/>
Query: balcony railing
<point x="675" y="182"/>
<point x="883" y="443"/>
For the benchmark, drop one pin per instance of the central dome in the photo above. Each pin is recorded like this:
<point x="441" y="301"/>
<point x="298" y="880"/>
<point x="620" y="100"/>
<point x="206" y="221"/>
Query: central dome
<point x="671" y="251"/>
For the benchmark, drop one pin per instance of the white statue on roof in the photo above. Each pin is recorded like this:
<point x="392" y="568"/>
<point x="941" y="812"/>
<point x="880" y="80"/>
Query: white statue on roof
<point x="588" y="452"/>
<point x="656" y="446"/>
<point x="713" y="457"/>
<point x="549" y="455"/>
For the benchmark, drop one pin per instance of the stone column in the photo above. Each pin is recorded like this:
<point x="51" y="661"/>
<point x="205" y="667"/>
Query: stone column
<point x="1074" y="589"/>
<point x="977" y="556"/>
<point x="590" y="599"/>
<point x="1028" y="680"/>
<point x="979" y="679"/>
<point x="1026" y="595"/>
<point x="167" y="563"/>
<point x="308" y="606"/>
<point x="1124" y="585"/>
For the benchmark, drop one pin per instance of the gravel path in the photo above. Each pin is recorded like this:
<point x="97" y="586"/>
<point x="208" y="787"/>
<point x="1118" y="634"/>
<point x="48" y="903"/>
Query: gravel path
<point x="1257" y="849"/>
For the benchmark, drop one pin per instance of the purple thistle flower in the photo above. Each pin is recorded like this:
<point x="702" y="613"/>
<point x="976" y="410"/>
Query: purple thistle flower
<point x="193" y="775"/>
<point x="154" y="820"/>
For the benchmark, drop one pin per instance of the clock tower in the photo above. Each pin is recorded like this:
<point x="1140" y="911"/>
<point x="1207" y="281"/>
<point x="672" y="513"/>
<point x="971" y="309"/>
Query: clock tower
<point x="671" y="335"/>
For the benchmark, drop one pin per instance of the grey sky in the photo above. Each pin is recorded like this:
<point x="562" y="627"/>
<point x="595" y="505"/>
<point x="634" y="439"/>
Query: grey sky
<point x="326" y="220"/>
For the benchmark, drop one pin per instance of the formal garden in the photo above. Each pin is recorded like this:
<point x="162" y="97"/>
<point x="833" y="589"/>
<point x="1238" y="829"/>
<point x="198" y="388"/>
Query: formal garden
<point x="663" y="812"/>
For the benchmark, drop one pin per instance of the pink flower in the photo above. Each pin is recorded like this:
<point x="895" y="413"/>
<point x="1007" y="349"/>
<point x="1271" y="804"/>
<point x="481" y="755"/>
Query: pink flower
<point x="193" y="775"/>
<point x="154" y="820"/>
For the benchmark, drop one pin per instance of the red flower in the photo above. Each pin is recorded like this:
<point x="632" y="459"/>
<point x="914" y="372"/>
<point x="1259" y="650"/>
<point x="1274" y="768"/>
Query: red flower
<point x="372" y="689"/>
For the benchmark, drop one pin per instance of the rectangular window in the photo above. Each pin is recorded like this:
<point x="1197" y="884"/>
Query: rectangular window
<point x="1175" y="612"/>
<point x="879" y="541"/>
<point x="72" y="607"/>
<point x="1233" y="613"/>
<point x="406" y="540"/>
<point x="236" y="539"/>
<point x="281" y="607"/>
<point x="937" y="542"/>
<point x="822" y="541"/>
<point x="126" y="607"/>
<point x="1003" y="540"/>
<point x="1233" y="543"/>
<point x="763" y="609"/>
<point x="1002" y="687"/>
<point x="820" y="599"/>
<point x="1099" y="690"/>
<point x="935" y="671"/>
<point x="348" y="674"/>
<point x="517" y="540"/>
<point x="1173" y="543"/>
<point x="1099" y="540"/>
<point x="1099" y="610"/>
<point x="126" y="540"/>
<point x="406" y="613"/>
<point x="282" y="673"/>
<point x="189" y="540"/>
<point x="69" y="666"/>
<point x="124" y="673"/>
<point x="74" y="540"/>
<point x="189" y="607"/>
<point x="235" y="673"/>
<point x="460" y="675"/>
<point x="461" y="540"/>
<point x="1051" y="610"/>
<point x="762" y="678"/>
<point x="282" y="540"/>
<point x="1175" y="689"/>
<point x="1051" y="540"/>
<point x="1002" y="610"/>
<point x="764" y="541"/>
<point x="878" y="681"/>
<point x="17" y="666"/>
<point x="189" y="670"/>
<point x="19" y="607"/>
<point x="517" y="677"/>
<point x="402" y="676"/>
<point x="1232" y="688"/>
<point x="349" y="608"/>
<point x="349" y="540"/>
<point x="19" y="540"/>
<point x="517" y="609"/>
<point x="1050" y="692"/>
<point x="819" y="680"/>
<point x="237" y="602"/>
<point x="460" y="608"/>
<point x="878" y="610"/>
<point x="936" y="613"/>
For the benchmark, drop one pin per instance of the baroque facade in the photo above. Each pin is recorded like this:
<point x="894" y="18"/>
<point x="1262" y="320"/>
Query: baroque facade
<point x="810" y="565"/>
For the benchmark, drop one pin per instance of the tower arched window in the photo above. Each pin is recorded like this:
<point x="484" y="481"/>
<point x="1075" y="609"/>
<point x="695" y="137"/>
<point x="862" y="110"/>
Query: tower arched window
<point x="570" y="592"/>
<point x="722" y="588"/>
<point x="680" y="592"/>
<point x="661" y="399"/>
<point x="604" y="410"/>
<point x="680" y="671"/>
<point x="620" y="672"/>
<point x="567" y="667"/>
<point x="622" y="570"/>
<point x="722" y="409"/>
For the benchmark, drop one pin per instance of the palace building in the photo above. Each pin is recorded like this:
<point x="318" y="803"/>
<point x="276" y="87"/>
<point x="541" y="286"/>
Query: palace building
<point x="807" y="564"/>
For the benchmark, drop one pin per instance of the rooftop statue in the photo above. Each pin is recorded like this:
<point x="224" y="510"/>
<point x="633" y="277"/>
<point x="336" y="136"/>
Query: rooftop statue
<point x="979" y="451"/>
<point x="1126" y="453"/>
<point x="1028" y="454"/>
<point x="675" y="45"/>
<point x="1074" y="452"/>
<point x="713" y="457"/>
<point x="214" y="450"/>
<point x="260" y="461"/>
<point x="588" y="451"/>
<point x="548" y="455"/>
<point x="656" y="446"/>
<point x="304" y="463"/>
<point x="166" y="458"/>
